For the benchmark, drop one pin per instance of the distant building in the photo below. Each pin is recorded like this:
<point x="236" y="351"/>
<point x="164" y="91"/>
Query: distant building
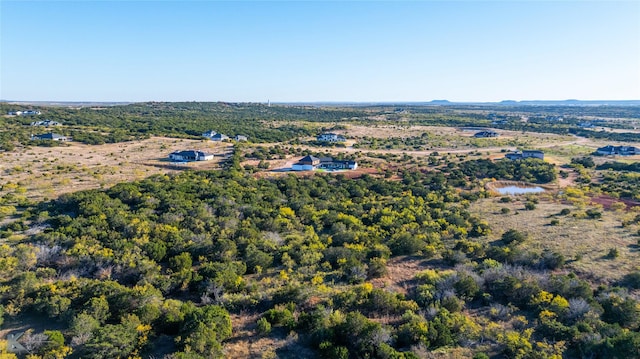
<point x="190" y="156"/>
<point x="306" y="163"/>
<point x="330" y="137"/>
<point x="209" y="134"/>
<point x="329" y="163"/>
<point x="554" y="118"/>
<point x="45" y="123"/>
<point x="486" y="134"/>
<point x="586" y="125"/>
<point x="618" y="150"/>
<point x="24" y="113"/>
<point x="219" y="137"/>
<point x="310" y="163"/>
<point x="518" y="155"/>
<point x="51" y="137"/>
<point x="240" y="138"/>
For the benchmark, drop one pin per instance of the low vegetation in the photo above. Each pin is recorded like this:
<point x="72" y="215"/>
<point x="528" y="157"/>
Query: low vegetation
<point x="402" y="263"/>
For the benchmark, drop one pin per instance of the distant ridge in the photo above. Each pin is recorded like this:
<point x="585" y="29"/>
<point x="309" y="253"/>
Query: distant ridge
<point x="570" y="102"/>
<point x="67" y="103"/>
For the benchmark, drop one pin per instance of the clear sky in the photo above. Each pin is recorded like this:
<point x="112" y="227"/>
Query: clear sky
<point x="298" y="51"/>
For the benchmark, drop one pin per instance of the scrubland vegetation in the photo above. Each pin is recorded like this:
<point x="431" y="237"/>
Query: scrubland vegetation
<point x="417" y="259"/>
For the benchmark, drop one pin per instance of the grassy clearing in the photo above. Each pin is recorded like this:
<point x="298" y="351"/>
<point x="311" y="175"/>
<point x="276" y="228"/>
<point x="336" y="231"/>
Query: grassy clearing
<point x="47" y="172"/>
<point x="584" y="242"/>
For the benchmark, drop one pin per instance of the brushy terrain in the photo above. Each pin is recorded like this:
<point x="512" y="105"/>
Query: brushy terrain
<point x="412" y="259"/>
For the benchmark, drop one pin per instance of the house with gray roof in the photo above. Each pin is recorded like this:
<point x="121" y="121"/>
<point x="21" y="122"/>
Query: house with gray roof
<point x="50" y="137"/>
<point x="190" y="156"/>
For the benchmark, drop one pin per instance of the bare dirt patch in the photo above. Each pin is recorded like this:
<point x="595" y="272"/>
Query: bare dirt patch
<point x="401" y="272"/>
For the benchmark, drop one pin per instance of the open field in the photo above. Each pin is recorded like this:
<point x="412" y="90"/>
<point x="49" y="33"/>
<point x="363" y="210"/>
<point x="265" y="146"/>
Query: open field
<point x="584" y="242"/>
<point x="47" y="172"/>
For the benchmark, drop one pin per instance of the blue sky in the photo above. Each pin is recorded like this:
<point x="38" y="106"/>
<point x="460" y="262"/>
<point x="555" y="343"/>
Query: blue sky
<point x="297" y="51"/>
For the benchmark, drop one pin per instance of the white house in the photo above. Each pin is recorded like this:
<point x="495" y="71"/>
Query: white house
<point x="310" y="163"/>
<point x="618" y="150"/>
<point x="51" y="137"/>
<point x="209" y="134"/>
<point x="307" y="163"/>
<point x="518" y="155"/>
<point x="240" y="138"/>
<point x="329" y="163"/>
<point x="45" y="123"/>
<point x="190" y="156"/>
<point x="330" y="137"/>
<point x="219" y="137"/>
<point x="485" y="134"/>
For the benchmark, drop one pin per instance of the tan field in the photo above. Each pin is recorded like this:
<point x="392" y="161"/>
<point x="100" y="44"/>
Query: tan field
<point x="47" y="172"/>
<point x="584" y="242"/>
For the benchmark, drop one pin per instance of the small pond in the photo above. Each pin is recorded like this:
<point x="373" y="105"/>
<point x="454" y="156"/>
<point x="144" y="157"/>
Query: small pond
<point x="512" y="190"/>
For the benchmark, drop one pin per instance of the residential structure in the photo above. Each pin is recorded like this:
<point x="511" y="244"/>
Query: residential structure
<point x="209" y="134"/>
<point x="240" y="138"/>
<point x="518" y="155"/>
<point x="219" y="137"/>
<point x="45" y="123"/>
<point x="24" y="113"/>
<point x="330" y="137"/>
<point x="190" y="156"/>
<point x="329" y="163"/>
<point x="51" y="137"/>
<point x="310" y="163"/>
<point x="486" y="134"/>
<point x="306" y="163"/>
<point x="618" y="150"/>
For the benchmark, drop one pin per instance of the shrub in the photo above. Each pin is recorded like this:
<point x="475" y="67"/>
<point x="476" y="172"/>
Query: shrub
<point x="613" y="253"/>
<point x="530" y="206"/>
<point x="264" y="327"/>
<point x="565" y="211"/>
<point x="554" y="222"/>
<point x="552" y="260"/>
<point x="593" y="214"/>
<point x="632" y="280"/>
<point x="505" y="210"/>
<point x="513" y="235"/>
<point x="281" y="315"/>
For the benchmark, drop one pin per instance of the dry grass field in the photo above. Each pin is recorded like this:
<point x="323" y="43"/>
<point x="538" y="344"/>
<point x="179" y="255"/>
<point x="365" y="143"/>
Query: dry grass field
<point x="584" y="242"/>
<point x="47" y="172"/>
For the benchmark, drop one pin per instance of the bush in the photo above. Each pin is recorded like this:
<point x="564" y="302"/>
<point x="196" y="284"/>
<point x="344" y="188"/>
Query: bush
<point x="552" y="260"/>
<point x="631" y="280"/>
<point x="530" y="206"/>
<point x="264" y="327"/>
<point x="613" y="253"/>
<point x="593" y="213"/>
<point x="565" y="211"/>
<point x="505" y="210"/>
<point x="513" y="235"/>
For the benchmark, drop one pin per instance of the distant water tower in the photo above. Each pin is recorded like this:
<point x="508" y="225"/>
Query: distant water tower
<point x="268" y="103"/>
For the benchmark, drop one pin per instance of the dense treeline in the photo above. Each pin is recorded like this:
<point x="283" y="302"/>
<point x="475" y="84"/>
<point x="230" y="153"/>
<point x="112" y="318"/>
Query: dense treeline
<point x="262" y="123"/>
<point x="620" y="184"/>
<point x="620" y="166"/>
<point x="173" y="256"/>
<point x="96" y="125"/>
<point x="527" y="170"/>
